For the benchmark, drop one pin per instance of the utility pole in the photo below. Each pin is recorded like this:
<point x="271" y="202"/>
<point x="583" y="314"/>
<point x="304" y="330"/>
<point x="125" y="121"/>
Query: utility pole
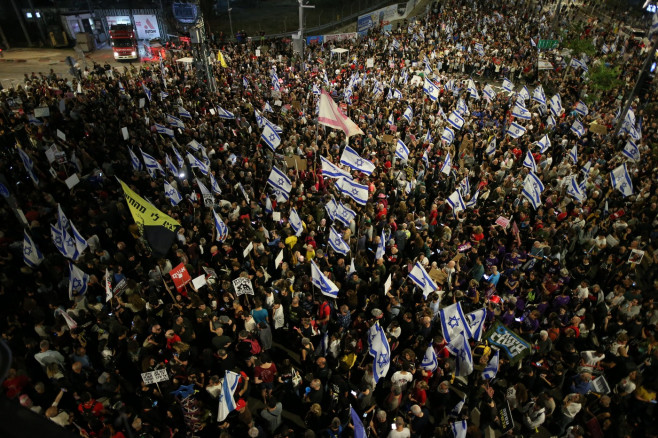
<point x="230" y="22"/>
<point x="301" y="28"/>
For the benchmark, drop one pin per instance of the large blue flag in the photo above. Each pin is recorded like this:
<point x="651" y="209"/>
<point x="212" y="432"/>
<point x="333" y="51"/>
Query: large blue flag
<point x="172" y="194"/>
<point x="453" y="321"/>
<point x="337" y="242"/>
<point x="78" y="281"/>
<point x="226" y="400"/>
<point x="31" y="254"/>
<point x="380" y="350"/>
<point x="319" y="280"/>
<point x="359" y="430"/>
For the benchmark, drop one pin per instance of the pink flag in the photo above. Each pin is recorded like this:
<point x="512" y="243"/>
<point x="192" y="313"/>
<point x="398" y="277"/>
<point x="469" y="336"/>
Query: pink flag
<point x="331" y="115"/>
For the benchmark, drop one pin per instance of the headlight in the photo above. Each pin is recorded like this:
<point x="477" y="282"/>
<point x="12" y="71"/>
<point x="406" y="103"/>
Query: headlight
<point x="133" y="53"/>
<point x="116" y="54"/>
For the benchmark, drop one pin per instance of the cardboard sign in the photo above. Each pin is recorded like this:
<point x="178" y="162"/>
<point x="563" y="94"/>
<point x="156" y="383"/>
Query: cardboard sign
<point x="257" y="52"/>
<point x="513" y="345"/>
<point x="180" y="276"/>
<point x="208" y="200"/>
<point x="242" y="286"/>
<point x="502" y="221"/>
<point x="388" y="138"/>
<point x="297" y="163"/>
<point x="635" y="256"/>
<point x="72" y="181"/>
<point x="598" y="129"/>
<point x="155" y="376"/>
<point x="276" y="216"/>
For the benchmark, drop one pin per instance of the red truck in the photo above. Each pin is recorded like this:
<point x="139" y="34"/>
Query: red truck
<point x="124" y="43"/>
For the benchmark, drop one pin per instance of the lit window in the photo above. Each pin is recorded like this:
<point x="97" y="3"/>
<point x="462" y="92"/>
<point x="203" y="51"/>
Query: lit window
<point x="38" y="14"/>
<point x="28" y="14"/>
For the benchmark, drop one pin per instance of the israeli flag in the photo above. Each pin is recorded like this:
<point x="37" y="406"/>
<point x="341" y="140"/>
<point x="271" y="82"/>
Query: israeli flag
<point x="146" y="91"/>
<point x="489" y="92"/>
<point x="521" y="113"/>
<point x="446" y="167"/>
<point x="152" y="165"/>
<point x="316" y="90"/>
<point x="491" y="369"/>
<point x="163" y="94"/>
<point x="330" y="170"/>
<point x="450" y="85"/>
<point x="184" y="113"/>
<point x="453" y="322"/>
<point x="226" y="400"/>
<point x="459" y="429"/>
<point x="220" y="226"/>
<point x="354" y="161"/>
<point x="171" y="166"/>
<point x="461" y="348"/>
<point x="270" y="137"/>
<point x="331" y="208"/>
<point x="319" y="280"/>
<point x="575" y="63"/>
<point x="529" y="162"/>
<point x="380" y="350"/>
<point x="195" y="162"/>
<point x="137" y="165"/>
<point x="431" y="89"/>
<point x="475" y="324"/>
<point x="491" y="147"/>
<point x="578" y="128"/>
<point x="462" y="109"/>
<point x="555" y="105"/>
<point x="161" y="129"/>
<point x="80" y="242"/>
<point x="581" y="108"/>
<point x="465" y="186"/>
<point x="472" y="89"/>
<point x="631" y="151"/>
<point x="573" y="154"/>
<point x="586" y="168"/>
<point x="456" y="120"/>
<point x="214" y="186"/>
<point x="397" y="94"/>
<point x="395" y="44"/>
<point x="508" y="85"/>
<point x="29" y="166"/>
<point x="78" y="281"/>
<point x="31" y="254"/>
<point x="421" y="278"/>
<point x="532" y="189"/>
<point x="295" y="222"/>
<point x="381" y="247"/>
<point x="405" y="77"/>
<point x="621" y="180"/>
<point x="358" y="192"/>
<point x="538" y="95"/>
<point x="479" y="49"/>
<point x="121" y="87"/>
<point x="63" y="242"/>
<point x="448" y="135"/>
<point x="195" y="146"/>
<point x="224" y="114"/>
<point x="473" y="201"/>
<point x="515" y="130"/>
<point x="359" y="430"/>
<point x="430" y="362"/>
<point x="280" y="182"/>
<point x="428" y="137"/>
<point x="175" y="121"/>
<point x="172" y="194"/>
<point x="401" y="150"/>
<point x="344" y="214"/>
<point x="577" y="191"/>
<point x="524" y="93"/>
<point x="408" y="114"/>
<point x="337" y="242"/>
<point x="544" y="144"/>
<point x="33" y="120"/>
<point x="456" y="202"/>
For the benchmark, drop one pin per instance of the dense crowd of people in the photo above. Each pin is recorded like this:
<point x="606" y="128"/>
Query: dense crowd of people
<point x="573" y="275"/>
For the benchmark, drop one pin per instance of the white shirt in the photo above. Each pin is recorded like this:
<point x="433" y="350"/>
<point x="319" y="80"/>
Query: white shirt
<point x="404" y="433"/>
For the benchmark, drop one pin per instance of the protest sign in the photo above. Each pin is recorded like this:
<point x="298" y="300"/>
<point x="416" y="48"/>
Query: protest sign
<point x="514" y="346"/>
<point x="180" y="276"/>
<point x="242" y="285"/>
<point x="155" y="376"/>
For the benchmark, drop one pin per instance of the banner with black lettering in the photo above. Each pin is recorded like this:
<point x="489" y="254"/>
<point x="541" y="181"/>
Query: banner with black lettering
<point x="158" y="229"/>
<point x="514" y="346"/>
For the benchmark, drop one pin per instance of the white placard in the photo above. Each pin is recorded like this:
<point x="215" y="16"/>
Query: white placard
<point x="278" y="260"/>
<point x="257" y="52"/>
<point x="146" y="26"/>
<point x="72" y="180"/>
<point x="242" y="285"/>
<point x="199" y="282"/>
<point x="212" y="111"/>
<point x="42" y="111"/>
<point x="370" y="62"/>
<point x="50" y="153"/>
<point x="276" y="216"/>
<point x="155" y="376"/>
<point x="278" y="102"/>
<point x="248" y="249"/>
<point x="124" y="132"/>
<point x="387" y="285"/>
<point x="61" y="135"/>
<point x="142" y="101"/>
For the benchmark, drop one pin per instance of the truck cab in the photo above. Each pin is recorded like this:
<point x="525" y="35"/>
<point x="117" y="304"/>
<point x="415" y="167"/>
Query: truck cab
<point x="124" y="43"/>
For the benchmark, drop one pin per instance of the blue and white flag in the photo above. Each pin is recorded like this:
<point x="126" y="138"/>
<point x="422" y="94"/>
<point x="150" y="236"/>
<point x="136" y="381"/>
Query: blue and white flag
<point x="196" y="163"/>
<point x="491" y="369"/>
<point x="330" y="170"/>
<point x="226" y="400"/>
<point x="458" y="408"/>
<point x="359" y="430"/>
<point x="431" y="89"/>
<point x="456" y="201"/>
<point x="461" y="108"/>
<point x="524" y="94"/>
<point x="544" y="144"/>
<point x="269" y="209"/>
<point x="429" y="362"/>
<point x="80" y="242"/>
<point x="520" y="112"/>
<point x="33" y="120"/>
<point x="479" y="49"/>
<point x="581" y="108"/>
<point x="337" y="242"/>
<point x="162" y="129"/>
<point x="295" y="222"/>
<point x="344" y="214"/>
<point x="508" y="85"/>
<point x="147" y="91"/>
<point x="450" y="85"/>
<point x="456" y="120"/>
<point x="152" y="165"/>
<point x="586" y="168"/>
<point x="171" y="166"/>
<point x="268" y="108"/>
<point x="532" y="189"/>
<point x="121" y="87"/>
<point x="573" y="154"/>
<point x="472" y="89"/>
<point x="29" y="166"/>
<point x="163" y="94"/>
<point x="381" y="247"/>
<point x="459" y="429"/>
<point x="63" y="222"/>
<point x="529" y="162"/>
<point x="401" y="150"/>
<point x="453" y="322"/>
<point x="175" y="121"/>
<point x="224" y="114"/>
<point x="473" y="201"/>
<point x="464" y="186"/>
<point x="195" y="146"/>
<point x="421" y="278"/>
<point x="172" y="194"/>
<point x="63" y="242"/>
<point x="408" y="115"/>
<point x="353" y="160"/>
<point x="31" y="254"/>
<point x="515" y="130"/>
<point x="184" y="113"/>
<point x="578" y="128"/>
<point x="475" y="324"/>
<point x="446" y="167"/>
<point x="380" y="350"/>
<point x="214" y="186"/>
<point x="555" y="105"/>
<point x="428" y="137"/>
<point x="577" y="191"/>
<point x="356" y="191"/>
<point x="491" y="147"/>
<point x="448" y="135"/>
<point x="631" y="151"/>
<point x="78" y="281"/>
<point x="621" y="180"/>
<point x="489" y="92"/>
<point x="397" y="94"/>
<point x="280" y="182"/>
<point x="270" y="137"/>
<point x="550" y="122"/>
<point x="538" y="95"/>
<point x="316" y="90"/>
<point x="245" y="82"/>
<point x="331" y="208"/>
<point x="220" y="226"/>
<point x="319" y="280"/>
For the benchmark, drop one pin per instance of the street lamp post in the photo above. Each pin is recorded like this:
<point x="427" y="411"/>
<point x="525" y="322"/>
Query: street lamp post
<point x="301" y="26"/>
<point x="230" y="22"/>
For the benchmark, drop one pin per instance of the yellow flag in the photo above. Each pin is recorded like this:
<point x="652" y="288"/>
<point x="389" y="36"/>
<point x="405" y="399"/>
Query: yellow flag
<point x="221" y="60"/>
